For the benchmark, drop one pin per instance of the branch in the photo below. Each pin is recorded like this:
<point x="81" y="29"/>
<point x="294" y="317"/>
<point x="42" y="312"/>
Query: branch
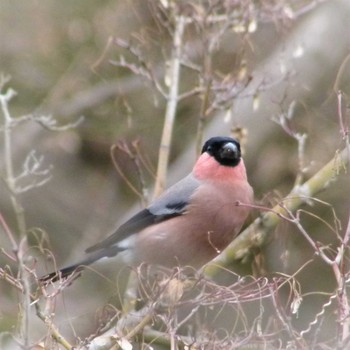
<point x="5" y="98"/>
<point x="54" y="332"/>
<point x="174" y="77"/>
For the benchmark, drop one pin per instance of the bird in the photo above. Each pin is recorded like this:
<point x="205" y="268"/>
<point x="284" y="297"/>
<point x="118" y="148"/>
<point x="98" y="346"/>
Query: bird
<point x="190" y="223"/>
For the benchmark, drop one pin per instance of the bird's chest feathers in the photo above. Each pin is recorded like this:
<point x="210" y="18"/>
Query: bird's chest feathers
<point x="216" y="216"/>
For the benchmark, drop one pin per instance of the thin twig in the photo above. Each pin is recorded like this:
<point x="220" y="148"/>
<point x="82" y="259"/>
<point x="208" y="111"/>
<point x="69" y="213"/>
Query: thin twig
<point x="8" y="233"/>
<point x="122" y="175"/>
<point x="54" y="332"/>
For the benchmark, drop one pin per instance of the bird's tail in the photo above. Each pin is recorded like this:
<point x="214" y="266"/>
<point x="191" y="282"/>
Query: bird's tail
<point x="77" y="268"/>
<point x="63" y="273"/>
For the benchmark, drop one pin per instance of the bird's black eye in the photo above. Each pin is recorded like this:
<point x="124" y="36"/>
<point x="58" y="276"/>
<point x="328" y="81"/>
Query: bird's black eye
<point x="209" y="149"/>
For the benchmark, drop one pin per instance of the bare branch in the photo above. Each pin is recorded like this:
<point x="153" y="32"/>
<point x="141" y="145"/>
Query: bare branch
<point x="174" y="77"/>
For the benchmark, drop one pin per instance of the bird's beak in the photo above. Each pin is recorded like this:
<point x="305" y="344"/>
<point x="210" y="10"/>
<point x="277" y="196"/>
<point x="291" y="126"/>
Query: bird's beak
<point x="230" y="151"/>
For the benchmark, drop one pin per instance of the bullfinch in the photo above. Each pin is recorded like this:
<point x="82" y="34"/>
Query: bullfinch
<point x="190" y="223"/>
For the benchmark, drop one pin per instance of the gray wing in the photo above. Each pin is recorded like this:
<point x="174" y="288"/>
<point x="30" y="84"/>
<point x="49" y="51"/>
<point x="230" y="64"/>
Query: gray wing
<point x="173" y="202"/>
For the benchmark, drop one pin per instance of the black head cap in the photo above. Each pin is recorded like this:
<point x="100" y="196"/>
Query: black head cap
<point x="226" y="150"/>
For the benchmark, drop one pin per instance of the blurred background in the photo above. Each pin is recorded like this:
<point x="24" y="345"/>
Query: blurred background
<point x="94" y="59"/>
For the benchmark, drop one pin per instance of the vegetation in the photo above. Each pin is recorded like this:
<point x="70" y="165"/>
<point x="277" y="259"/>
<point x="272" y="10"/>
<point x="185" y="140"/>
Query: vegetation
<point x="108" y="103"/>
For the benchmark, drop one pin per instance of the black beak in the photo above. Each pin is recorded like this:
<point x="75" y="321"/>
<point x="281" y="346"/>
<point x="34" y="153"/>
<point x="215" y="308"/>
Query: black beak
<point x="229" y="151"/>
